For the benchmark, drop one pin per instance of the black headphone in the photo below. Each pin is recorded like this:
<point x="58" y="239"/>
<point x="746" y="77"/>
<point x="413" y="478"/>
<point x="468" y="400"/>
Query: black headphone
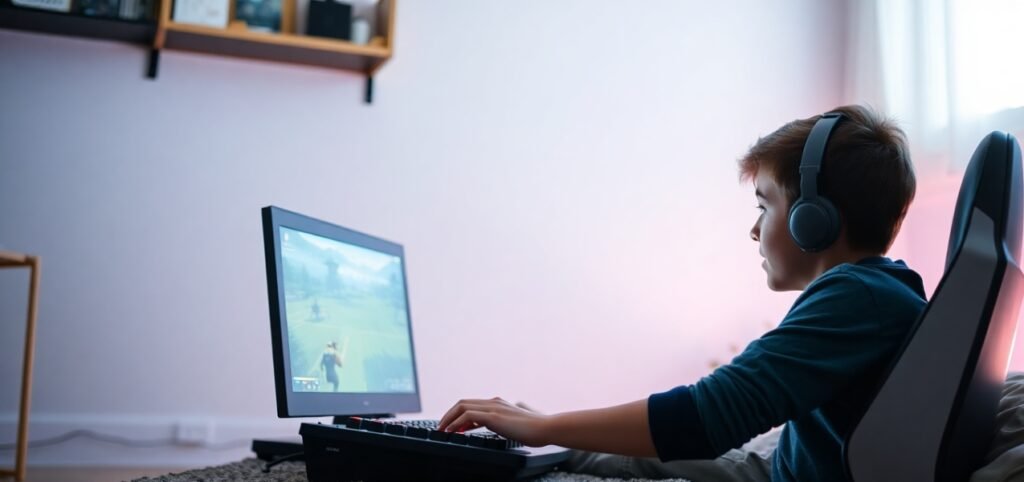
<point x="813" y="219"/>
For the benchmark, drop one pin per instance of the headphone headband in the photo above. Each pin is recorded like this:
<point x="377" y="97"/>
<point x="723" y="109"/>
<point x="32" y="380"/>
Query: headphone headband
<point x="814" y="152"/>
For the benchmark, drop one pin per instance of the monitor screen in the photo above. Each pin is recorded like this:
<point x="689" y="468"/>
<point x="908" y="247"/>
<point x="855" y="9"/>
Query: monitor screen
<point x="342" y="337"/>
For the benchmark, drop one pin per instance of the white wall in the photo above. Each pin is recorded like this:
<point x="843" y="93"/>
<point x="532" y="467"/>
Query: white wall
<point x="562" y="175"/>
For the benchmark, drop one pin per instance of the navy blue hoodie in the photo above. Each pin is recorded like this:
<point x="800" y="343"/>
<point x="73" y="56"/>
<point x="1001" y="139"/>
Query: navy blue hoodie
<point x="814" y="373"/>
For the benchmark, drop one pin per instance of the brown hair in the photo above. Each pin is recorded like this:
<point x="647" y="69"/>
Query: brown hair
<point x="866" y="172"/>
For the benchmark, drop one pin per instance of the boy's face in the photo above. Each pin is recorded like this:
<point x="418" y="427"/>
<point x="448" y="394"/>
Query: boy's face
<point x="788" y="267"/>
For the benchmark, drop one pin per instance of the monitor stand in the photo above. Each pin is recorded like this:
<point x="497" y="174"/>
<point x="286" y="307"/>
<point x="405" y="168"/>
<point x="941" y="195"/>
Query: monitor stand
<point x="291" y="447"/>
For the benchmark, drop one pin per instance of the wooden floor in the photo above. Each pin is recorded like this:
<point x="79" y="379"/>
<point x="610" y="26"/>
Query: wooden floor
<point x="93" y="474"/>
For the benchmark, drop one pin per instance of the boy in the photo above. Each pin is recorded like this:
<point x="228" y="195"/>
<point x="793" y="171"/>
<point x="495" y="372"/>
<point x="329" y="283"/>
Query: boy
<point x="814" y="372"/>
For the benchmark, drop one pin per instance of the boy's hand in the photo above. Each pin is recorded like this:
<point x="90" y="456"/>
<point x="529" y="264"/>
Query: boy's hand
<point x="515" y="422"/>
<point x="527" y="407"/>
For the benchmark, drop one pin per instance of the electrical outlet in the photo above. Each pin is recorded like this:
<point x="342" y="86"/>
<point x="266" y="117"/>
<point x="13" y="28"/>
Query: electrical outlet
<point x="193" y="432"/>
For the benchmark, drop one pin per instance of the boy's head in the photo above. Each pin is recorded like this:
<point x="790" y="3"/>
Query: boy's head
<point x="866" y="173"/>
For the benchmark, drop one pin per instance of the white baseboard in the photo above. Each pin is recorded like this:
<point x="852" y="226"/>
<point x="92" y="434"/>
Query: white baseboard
<point x="191" y="441"/>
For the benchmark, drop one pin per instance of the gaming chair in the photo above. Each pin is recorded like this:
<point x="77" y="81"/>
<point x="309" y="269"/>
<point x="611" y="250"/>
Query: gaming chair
<point x="933" y="416"/>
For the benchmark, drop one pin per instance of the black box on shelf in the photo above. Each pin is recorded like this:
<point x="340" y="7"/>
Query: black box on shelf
<point x="328" y="18"/>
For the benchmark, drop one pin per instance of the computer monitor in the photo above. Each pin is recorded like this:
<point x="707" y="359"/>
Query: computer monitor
<point x="339" y="320"/>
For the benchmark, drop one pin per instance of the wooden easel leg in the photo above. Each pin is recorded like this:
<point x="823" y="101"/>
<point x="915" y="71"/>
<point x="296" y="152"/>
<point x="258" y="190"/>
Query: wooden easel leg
<point x="26" y="374"/>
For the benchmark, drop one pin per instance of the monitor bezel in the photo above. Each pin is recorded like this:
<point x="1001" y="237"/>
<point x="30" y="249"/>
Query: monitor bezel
<point x="316" y="404"/>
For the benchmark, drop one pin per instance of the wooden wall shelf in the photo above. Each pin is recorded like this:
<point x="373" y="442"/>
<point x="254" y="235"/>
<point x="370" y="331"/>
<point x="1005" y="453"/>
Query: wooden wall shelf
<point x="164" y="33"/>
<point x="277" y="47"/>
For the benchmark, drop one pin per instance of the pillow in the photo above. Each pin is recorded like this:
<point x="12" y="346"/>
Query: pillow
<point x="1005" y="459"/>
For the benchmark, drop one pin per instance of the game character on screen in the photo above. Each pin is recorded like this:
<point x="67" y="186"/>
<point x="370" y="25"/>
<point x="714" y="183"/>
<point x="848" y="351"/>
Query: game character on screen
<point x="315" y="307"/>
<point x="328" y="361"/>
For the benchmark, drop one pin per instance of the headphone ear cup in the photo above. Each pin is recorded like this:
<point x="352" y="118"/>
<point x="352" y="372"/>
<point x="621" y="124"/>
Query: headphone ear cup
<point x="814" y="225"/>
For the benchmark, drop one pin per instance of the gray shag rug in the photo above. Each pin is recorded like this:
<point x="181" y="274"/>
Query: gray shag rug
<point x="251" y="470"/>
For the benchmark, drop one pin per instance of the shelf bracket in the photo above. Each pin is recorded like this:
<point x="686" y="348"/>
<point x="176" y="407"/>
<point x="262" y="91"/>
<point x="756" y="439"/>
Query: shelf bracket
<point x="154" y="63"/>
<point x="369" y="89"/>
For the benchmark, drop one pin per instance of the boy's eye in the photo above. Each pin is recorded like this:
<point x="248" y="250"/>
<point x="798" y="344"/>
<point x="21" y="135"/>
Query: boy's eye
<point x="760" y="208"/>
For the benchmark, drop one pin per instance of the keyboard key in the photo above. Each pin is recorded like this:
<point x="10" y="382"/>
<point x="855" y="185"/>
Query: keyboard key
<point x="417" y="432"/>
<point x="458" y="438"/>
<point x="476" y="440"/>
<point x="372" y="425"/>
<point x="439" y="435"/>
<point x="394" y="429"/>
<point x="353" y="422"/>
<point x="496" y="443"/>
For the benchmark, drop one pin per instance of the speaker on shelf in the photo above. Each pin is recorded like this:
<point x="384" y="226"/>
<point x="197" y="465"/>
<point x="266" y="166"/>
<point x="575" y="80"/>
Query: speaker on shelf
<point x="328" y="18"/>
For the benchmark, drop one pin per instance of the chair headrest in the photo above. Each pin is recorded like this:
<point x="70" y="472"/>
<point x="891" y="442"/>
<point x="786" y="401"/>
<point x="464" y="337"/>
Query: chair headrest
<point x="992" y="183"/>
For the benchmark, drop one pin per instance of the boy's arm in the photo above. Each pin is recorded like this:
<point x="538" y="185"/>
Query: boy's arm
<point x="622" y="429"/>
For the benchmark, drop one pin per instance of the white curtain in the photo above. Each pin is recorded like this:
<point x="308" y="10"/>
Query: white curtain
<point x="949" y="71"/>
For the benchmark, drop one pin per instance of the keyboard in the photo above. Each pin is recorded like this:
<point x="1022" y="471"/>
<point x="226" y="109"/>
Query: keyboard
<point x="427" y="429"/>
<point x="391" y="449"/>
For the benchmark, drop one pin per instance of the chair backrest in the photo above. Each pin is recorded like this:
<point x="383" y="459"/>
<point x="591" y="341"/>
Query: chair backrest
<point x="933" y="416"/>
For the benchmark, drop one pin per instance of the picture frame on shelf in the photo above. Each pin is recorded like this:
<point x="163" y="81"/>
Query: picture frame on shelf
<point x="211" y="13"/>
<point x="260" y="15"/>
